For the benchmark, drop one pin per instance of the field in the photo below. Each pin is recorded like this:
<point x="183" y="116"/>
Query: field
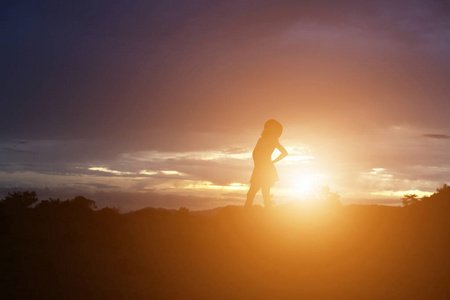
<point x="67" y="250"/>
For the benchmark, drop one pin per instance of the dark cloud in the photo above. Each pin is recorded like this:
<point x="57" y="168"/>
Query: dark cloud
<point x="12" y="150"/>
<point x="98" y="185"/>
<point x="80" y="69"/>
<point x="437" y="136"/>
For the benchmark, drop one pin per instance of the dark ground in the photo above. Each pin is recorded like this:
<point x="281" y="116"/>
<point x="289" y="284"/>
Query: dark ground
<point x="67" y="250"/>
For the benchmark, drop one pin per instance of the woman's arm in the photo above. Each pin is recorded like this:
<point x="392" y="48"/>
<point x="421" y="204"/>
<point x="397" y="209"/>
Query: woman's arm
<point x="283" y="153"/>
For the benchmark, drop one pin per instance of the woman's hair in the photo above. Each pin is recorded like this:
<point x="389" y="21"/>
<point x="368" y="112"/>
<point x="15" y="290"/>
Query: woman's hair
<point x="272" y="129"/>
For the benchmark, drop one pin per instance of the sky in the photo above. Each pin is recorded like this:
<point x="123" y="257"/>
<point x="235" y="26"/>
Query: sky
<point x="160" y="103"/>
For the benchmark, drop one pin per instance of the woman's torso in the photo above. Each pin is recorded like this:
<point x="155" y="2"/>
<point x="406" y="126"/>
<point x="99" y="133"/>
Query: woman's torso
<point x="263" y="150"/>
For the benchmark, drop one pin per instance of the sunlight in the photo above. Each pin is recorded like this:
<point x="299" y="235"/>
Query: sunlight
<point x="106" y="170"/>
<point x="208" y="185"/>
<point x="303" y="185"/>
<point x="399" y="194"/>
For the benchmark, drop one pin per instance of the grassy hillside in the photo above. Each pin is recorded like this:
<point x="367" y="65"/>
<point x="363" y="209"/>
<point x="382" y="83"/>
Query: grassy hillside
<point x="68" y="250"/>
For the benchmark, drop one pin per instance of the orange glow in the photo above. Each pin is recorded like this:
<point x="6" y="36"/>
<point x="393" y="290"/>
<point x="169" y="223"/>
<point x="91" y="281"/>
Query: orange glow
<point x="304" y="186"/>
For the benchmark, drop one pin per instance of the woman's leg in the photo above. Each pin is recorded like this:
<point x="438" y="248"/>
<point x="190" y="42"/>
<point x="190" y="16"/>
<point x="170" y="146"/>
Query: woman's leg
<point x="251" y="195"/>
<point x="266" y="196"/>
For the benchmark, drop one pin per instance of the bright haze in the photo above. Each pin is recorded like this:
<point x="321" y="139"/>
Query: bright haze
<point x="160" y="103"/>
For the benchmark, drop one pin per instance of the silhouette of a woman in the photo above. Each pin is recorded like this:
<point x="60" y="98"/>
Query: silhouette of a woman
<point x="264" y="172"/>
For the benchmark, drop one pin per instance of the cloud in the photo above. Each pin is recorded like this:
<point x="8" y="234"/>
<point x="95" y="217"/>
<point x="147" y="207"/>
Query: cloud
<point x="437" y="136"/>
<point x="99" y="185"/>
<point x="13" y="150"/>
<point x="144" y="88"/>
<point x="183" y="68"/>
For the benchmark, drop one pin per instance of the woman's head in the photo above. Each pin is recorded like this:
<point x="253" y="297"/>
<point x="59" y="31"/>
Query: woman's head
<point x="272" y="129"/>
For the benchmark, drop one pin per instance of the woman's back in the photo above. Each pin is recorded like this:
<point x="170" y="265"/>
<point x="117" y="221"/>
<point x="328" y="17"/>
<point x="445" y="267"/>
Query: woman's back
<point x="264" y="149"/>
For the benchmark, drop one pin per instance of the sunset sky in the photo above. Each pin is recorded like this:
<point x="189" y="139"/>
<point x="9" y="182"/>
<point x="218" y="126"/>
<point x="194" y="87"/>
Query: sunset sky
<point x="160" y="103"/>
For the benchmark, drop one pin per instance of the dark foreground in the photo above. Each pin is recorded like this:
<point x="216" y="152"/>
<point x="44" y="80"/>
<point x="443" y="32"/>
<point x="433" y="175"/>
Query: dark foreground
<point x="62" y="251"/>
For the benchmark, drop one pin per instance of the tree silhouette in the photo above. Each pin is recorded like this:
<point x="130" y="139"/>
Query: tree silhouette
<point x="444" y="190"/>
<point x="410" y="199"/>
<point x="325" y="196"/>
<point x="440" y="199"/>
<point x="82" y="203"/>
<point x="16" y="202"/>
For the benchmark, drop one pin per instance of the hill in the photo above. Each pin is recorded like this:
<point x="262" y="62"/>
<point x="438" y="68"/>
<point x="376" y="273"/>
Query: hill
<point x="68" y="250"/>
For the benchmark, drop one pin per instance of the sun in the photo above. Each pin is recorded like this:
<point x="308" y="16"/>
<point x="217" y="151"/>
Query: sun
<point x="302" y="185"/>
<point x="305" y="186"/>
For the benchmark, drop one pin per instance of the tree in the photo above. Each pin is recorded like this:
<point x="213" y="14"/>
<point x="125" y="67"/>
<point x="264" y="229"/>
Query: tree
<point x="440" y="199"/>
<point x="325" y="196"/>
<point x="18" y="201"/>
<point x="183" y="212"/>
<point x="410" y="199"/>
<point x="50" y="203"/>
<point x="81" y="203"/>
<point x="444" y="190"/>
